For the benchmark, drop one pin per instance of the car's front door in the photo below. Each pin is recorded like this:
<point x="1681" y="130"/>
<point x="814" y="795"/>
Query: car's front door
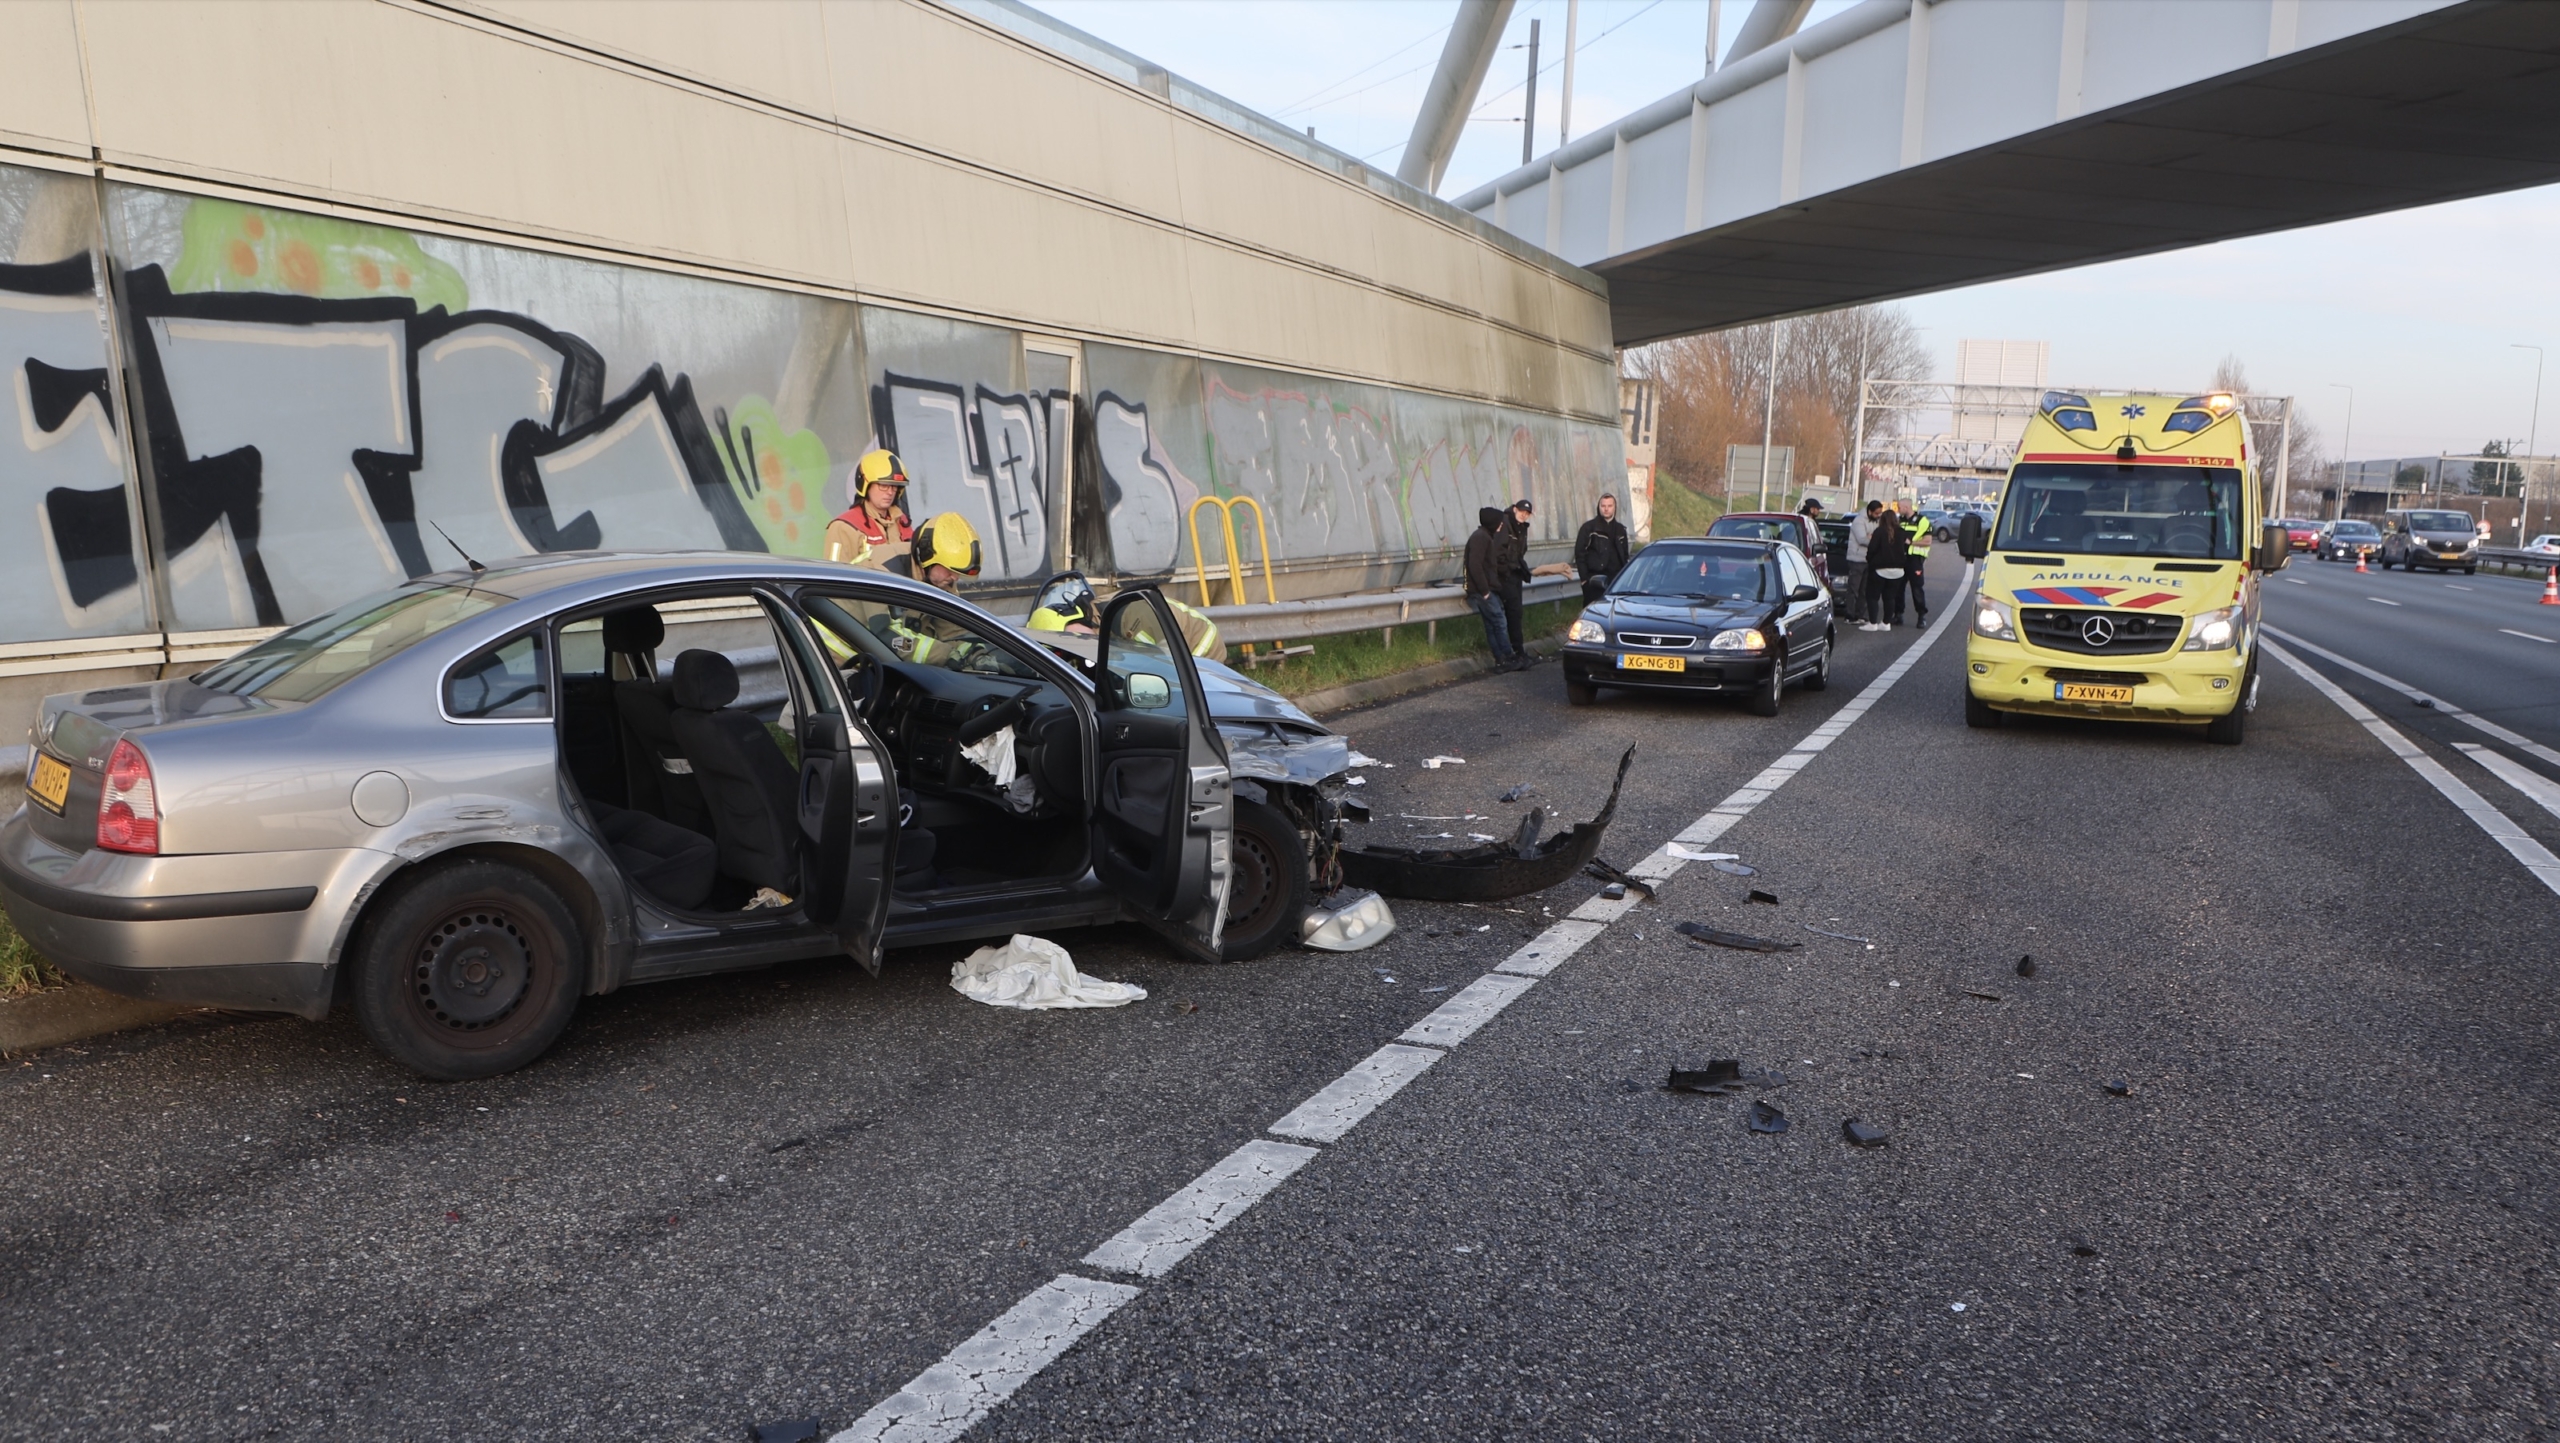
<point x="1164" y="808"/>
<point x="848" y="806"/>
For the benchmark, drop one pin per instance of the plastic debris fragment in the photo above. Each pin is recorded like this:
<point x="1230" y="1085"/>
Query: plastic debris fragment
<point x="2027" y="966"/>
<point x="1516" y="793"/>
<point x="1699" y="932"/>
<point x="1353" y="810"/>
<point x="1614" y="892"/>
<point x="1436" y="763"/>
<point x="1355" y="921"/>
<point x="2119" y="1087"/>
<point x="1759" y="896"/>
<point x="1601" y="869"/>
<point x="1862" y="1134"/>
<point x="1735" y="869"/>
<point x="1765" y="1118"/>
<point x="1692" y="854"/>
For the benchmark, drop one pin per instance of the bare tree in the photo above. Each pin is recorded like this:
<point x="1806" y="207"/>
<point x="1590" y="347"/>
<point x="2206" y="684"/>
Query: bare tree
<point x="1713" y="387"/>
<point x="2306" y="466"/>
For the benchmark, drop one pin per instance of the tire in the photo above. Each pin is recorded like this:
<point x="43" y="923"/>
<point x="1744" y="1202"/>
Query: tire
<point x="1978" y="713"/>
<point x="2227" y="730"/>
<point x="1579" y="693"/>
<point x="1819" y="679"/>
<point x="415" y="959"/>
<point x="1268" y="897"/>
<point x="1766" y="696"/>
<point x="2471" y="571"/>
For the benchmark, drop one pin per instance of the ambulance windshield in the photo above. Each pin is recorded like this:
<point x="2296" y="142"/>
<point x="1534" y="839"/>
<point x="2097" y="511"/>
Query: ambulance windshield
<point x="2111" y="510"/>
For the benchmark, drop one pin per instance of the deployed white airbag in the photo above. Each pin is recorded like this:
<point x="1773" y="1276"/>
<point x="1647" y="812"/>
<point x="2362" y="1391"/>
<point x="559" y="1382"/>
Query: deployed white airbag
<point x="1033" y="974"/>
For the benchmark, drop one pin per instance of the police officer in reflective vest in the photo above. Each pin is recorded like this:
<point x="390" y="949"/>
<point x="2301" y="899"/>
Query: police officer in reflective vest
<point x="1918" y="588"/>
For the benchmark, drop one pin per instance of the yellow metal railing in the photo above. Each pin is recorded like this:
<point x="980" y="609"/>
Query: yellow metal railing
<point x="1235" y="551"/>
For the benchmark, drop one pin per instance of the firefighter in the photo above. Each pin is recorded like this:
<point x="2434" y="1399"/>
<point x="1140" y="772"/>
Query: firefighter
<point x="1066" y="603"/>
<point x="874" y="530"/>
<point x="943" y="550"/>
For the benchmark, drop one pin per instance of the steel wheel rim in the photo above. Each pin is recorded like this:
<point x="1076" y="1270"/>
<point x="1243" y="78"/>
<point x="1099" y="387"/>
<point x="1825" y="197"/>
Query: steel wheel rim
<point x="473" y="969"/>
<point x="1257" y="881"/>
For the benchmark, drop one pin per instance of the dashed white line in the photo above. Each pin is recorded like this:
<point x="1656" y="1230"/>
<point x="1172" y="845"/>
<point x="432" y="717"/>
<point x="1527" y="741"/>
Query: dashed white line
<point x="2538" y="789"/>
<point x="2529" y="636"/>
<point x="970" y="1380"/>
<point x="2537" y="859"/>
<point x="1334" y="1111"/>
<point x="1151" y="1246"/>
<point x="973" y="1378"/>
<point x="2386" y="603"/>
<point x="2298" y="581"/>
<point x="2482" y="725"/>
<point x="2458" y="586"/>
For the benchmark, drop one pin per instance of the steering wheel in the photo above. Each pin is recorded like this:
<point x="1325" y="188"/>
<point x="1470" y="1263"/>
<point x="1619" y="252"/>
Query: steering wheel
<point x="862" y="681"/>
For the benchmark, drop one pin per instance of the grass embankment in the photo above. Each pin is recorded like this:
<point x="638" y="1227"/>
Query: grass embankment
<point x="1361" y="655"/>
<point x="1679" y="511"/>
<point x="21" y="970"/>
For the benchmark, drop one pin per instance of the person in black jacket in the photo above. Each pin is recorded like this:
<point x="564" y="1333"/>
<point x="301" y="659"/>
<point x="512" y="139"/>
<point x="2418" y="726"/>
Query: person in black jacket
<point x="1484" y="584"/>
<point x="1600" y="549"/>
<point x="1511" y="568"/>
<point x="1888" y="567"/>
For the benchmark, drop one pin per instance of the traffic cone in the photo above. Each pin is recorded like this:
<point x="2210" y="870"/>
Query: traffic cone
<point x="2360" y="558"/>
<point x="2551" y="588"/>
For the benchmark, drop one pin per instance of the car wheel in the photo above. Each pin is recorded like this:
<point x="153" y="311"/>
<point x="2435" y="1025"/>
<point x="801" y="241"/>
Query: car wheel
<point x="2471" y="571"/>
<point x="1579" y="693"/>
<point x="1766" y="696"/>
<point x="1820" y="677"/>
<point x="469" y="971"/>
<point x="1269" y="894"/>
<point x="1978" y="713"/>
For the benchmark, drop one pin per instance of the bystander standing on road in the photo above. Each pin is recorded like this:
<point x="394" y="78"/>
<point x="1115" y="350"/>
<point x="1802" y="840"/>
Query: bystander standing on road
<point x="1484" y="552"/>
<point x="1811" y="510"/>
<point x="1917" y="582"/>
<point x="1600" y="549"/>
<point x="1862" y="529"/>
<point x="1888" y="563"/>
<point x="1511" y="570"/>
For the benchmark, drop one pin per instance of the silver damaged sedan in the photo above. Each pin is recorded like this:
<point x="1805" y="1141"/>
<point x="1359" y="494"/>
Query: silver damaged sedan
<point x="459" y="806"/>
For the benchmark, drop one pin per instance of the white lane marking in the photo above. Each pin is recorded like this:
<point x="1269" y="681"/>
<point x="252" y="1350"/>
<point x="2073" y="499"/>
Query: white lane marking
<point x="2458" y="586"/>
<point x="2529" y="636"/>
<point x="2482" y="725"/>
<point x="1552" y="947"/>
<point x="2298" y="581"/>
<point x="1151" y="1246"/>
<point x="1334" y="1111"/>
<point x="2541" y="790"/>
<point x="1469" y="1008"/>
<point x="2386" y="603"/>
<point x="2537" y="859"/>
<point x="973" y="1378"/>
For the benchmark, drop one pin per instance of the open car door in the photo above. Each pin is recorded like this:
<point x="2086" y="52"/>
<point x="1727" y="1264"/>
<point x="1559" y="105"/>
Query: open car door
<point x="1164" y="805"/>
<point x="848" y="804"/>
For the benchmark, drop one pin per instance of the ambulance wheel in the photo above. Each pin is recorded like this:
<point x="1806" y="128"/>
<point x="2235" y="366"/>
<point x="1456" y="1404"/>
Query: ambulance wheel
<point x="1978" y="713"/>
<point x="2226" y="730"/>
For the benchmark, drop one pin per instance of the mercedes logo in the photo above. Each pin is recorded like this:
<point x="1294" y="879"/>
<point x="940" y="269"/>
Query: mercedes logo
<point x="2097" y="631"/>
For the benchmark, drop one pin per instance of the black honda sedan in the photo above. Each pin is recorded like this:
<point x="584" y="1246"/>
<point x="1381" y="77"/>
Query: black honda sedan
<point x="1723" y="615"/>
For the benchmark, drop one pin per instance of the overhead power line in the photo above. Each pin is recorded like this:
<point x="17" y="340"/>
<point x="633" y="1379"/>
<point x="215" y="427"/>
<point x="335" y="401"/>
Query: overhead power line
<point x="1307" y="101"/>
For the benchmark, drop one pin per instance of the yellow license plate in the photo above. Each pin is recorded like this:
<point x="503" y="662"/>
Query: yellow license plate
<point x="2081" y="691"/>
<point x="1653" y="663"/>
<point x="51" y="784"/>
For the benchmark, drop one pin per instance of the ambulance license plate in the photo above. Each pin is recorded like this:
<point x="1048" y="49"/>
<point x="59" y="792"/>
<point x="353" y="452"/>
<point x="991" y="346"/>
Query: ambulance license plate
<point x="1653" y="663"/>
<point x="2082" y="691"/>
<point x="51" y="783"/>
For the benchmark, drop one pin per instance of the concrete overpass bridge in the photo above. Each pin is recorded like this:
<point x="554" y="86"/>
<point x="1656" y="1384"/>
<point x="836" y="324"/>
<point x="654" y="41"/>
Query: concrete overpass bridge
<point x="1905" y="146"/>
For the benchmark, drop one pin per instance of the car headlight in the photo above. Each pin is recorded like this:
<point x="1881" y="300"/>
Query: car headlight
<point x="1584" y="629"/>
<point x="2214" y="630"/>
<point x="1993" y="619"/>
<point x="1739" y="639"/>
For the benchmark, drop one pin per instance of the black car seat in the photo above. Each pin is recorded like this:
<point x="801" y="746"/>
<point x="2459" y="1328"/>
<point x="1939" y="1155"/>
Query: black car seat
<point x="674" y="865"/>
<point x="659" y="775"/>
<point x="751" y="791"/>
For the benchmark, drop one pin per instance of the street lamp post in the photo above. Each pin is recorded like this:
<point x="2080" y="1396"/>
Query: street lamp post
<point x="2346" y="437"/>
<point x="1769" y="415"/>
<point x="2532" y="435"/>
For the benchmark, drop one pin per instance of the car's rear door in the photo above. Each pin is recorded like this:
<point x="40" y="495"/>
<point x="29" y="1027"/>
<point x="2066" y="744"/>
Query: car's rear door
<point x="848" y="807"/>
<point x="1164" y="809"/>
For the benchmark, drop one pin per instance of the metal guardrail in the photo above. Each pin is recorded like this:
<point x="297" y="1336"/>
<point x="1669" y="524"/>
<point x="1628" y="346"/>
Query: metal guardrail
<point x="1367" y="611"/>
<point x="2518" y="556"/>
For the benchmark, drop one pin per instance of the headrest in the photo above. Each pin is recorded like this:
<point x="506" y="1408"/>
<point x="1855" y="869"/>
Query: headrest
<point x="633" y="629"/>
<point x="705" y="681"/>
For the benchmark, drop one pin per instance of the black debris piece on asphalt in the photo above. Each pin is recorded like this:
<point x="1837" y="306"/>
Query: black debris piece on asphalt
<point x="1734" y="869"/>
<point x="1524" y="843"/>
<point x="1600" y="868"/>
<point x="1759" y="896"/>
<point x="793" y="1430"/>
<point x="1765" y="1118"/>
<point x="1862" y="1134"/>
<point x="1843" y="936"/>
<point x="1723" y="1077"/>
<point x="787" y="1144"/>
<point x="1354" y="809"/>
<point x="2083" y="1250"/>
<point x="1614" y="892"/>
<point x="1979" y="994"/>
<point x="1516" y="793"/>
<point x="1700" y="932"/>
<point x="2027" y="966"/>
<point x="2426" y="701"/>
<point x="2119" y="1087"/>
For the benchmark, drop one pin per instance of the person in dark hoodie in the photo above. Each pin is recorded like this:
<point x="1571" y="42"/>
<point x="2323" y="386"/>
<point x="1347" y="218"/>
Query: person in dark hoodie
<point x="1484" y="586"/>
<point x="1600" y="549"/>
<point x="1511" y="568"/>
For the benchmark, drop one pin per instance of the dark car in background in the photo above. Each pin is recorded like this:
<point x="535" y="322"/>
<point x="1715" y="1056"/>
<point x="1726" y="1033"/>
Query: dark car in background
<point x="2346" y="540"/>
<point x="1715" y="615"/>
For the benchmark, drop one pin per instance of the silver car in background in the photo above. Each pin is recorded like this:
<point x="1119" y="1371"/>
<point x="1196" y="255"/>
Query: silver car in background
<point x="458" y="806"/>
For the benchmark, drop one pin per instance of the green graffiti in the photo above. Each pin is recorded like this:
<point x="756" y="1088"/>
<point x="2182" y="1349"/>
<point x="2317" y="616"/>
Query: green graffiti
<point x="781" y="479"/>
<point x="233" y="247"/>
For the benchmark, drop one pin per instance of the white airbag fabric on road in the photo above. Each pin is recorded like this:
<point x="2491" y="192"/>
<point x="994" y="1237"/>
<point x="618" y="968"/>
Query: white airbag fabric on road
<point x="1032" y="973"/>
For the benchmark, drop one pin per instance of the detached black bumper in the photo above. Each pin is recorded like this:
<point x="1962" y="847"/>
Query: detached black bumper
<point x="1598" y="666"/>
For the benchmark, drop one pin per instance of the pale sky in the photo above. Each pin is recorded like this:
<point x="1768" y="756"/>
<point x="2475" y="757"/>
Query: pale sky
<point x="2417" y="311"/>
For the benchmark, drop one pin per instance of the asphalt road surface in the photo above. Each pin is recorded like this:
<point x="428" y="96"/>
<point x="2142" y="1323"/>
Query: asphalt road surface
<point x="2324" y="1208"/>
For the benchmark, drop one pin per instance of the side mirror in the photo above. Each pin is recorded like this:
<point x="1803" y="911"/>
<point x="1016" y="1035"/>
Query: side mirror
<point x="1805" y="593"/>
<point x="2274" y="547"/>
<point x="1971" y="544"/>
<point x="1149" y="692"/>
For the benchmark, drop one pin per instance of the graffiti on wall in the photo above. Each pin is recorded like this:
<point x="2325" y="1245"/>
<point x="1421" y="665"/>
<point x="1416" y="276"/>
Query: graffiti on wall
<point x="1145" y="496"/>
<point x="66" y="549"/>
<point x="987" y="455"/>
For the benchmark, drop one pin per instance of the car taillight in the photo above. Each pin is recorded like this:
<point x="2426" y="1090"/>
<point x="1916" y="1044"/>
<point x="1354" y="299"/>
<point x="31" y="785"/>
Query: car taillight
<point x="129" y="808"/>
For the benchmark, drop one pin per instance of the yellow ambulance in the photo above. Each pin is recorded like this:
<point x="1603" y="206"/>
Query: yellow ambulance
<point x="2120" y="578"/>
